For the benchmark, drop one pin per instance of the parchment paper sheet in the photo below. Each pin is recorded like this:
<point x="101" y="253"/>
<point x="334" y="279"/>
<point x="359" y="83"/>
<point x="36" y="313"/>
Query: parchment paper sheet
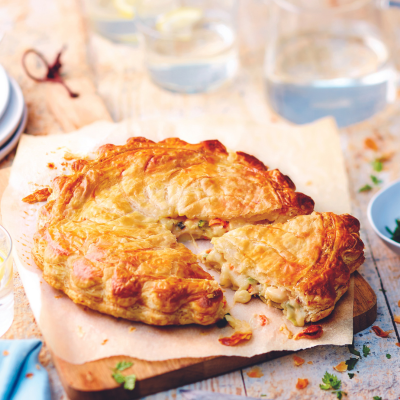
<point x="310" y="155"/>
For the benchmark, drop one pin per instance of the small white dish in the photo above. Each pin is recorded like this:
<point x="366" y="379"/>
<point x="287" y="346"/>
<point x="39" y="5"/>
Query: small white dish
<point x="13" y="113"/>
<point x="383" y="210"/>
<point x="12" y="142"/>
<point x="4" y="90"/>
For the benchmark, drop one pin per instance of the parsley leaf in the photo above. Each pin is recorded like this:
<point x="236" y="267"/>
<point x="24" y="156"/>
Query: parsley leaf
<point x="130" y="382"/>
<point x="365" y="188"/>
<point x="119" y="378"/>
<point x="352" y="350"/>
<point x="201" y="223"/>
<point x="122" y="365"/>
<point x="339" y="394"/>
<point x="351" y="362"/>
<point x="388" y="356"/>
<point x="377" y="165"/>
<point x="375" y="180"/>
<point x="377" y="398"/>
<point x="366" y="350"/>
<point x="330" y="382"/>
<point x="351" y="376"/>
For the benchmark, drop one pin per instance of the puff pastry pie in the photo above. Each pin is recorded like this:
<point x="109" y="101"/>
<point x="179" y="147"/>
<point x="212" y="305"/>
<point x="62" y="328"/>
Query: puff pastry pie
<point x="302" y="266"/>
<point x="107" y="235"/>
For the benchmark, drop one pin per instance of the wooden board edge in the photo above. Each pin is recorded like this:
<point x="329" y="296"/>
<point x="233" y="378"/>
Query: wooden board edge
<point x="93" y="380"/>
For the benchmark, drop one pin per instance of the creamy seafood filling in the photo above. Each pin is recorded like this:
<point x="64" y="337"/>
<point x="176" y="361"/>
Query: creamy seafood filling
<point x="246" y="287"/>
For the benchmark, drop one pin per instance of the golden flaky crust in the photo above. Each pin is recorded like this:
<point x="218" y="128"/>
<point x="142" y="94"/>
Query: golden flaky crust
<point x="103" y="239"/>
<point x="306" y="262"/>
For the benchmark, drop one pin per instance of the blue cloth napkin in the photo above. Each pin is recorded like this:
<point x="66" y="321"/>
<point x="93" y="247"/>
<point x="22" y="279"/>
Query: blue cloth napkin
<point x="18" y="360"/>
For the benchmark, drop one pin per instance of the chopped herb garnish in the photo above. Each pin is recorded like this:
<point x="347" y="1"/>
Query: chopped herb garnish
<point x="331" y="382"/>
<point x="377" y="398"/>
<point x="375" y="180"/>
<point x="201" y="223"/>
<point x="366" y="350"/>
<point x="382" y="290"/>
<point x="396" y="233"/>
<point x="181" y="225"/>
<point x="252" y="281"/>
<point x="129" y="380"/>
<point x="354" y="351"/>
<point x="377" y="165"/>
<point x="340" y="394"/>
<point x="263" y="395"/>
<point x="351" y="376"/>
<point x="365" y="188"/>
<point x="122" y="365"/>
<point x="388" y="356"/>
<point x="351" y="362"/>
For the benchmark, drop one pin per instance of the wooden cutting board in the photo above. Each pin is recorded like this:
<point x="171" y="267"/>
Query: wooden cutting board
<point x="93" y="380"/>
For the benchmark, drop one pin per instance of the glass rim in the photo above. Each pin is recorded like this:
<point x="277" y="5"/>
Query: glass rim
<point x="11" y="243"/>
<point x="352" y="6"/>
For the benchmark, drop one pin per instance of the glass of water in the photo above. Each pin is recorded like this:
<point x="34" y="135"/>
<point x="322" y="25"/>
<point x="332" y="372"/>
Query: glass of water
<point x="329" y="57"/>
<point x="113" y="19"/>
<point x="191" y="45"/>
<point x="6" y="282"/>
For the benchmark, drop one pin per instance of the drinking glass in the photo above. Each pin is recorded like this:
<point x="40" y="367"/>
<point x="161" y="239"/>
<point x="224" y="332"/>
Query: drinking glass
<point x="6" y="282"/>
<point x="113" y="19"/>
<point x="191" y="45"/>
<point x="329" y="57"/>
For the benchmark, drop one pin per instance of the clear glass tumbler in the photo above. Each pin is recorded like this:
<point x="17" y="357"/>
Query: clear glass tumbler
<point x="6" y="282"/>
<point x="329" y="57"/>
<point x="113" y="19"/>
<point x="191" y="45"/>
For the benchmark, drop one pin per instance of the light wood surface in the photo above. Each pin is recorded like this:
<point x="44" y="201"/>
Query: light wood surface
<point x="117" y="72"/>
<point x="93" y="380"/>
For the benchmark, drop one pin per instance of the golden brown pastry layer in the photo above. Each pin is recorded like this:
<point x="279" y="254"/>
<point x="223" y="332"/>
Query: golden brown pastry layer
<point x="174" y="186"/>
<point x="302" y="266"/>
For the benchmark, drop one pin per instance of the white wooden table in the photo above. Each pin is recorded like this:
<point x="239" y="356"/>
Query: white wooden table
<point x="120" y="79"/>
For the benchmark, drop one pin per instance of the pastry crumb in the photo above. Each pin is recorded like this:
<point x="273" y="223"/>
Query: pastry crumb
<point x="397" y="319"/>
<point x="80" y="332"/>
<point x="132" y="329"/>
<point x="58" y="296"/>
<point x="255" y="372"/>
<point x="298" y="361"/>
<point x="37" y="366"/>
<point x="104" y="342"/>
<point x="5" y="353"/>
<point x="381" y="333"/>
<point x="341" y="367"/>
<point x="51" y="165"/>
<point x="310" y="362"/>
<point x="311" y="332"/>
<point x="284" y="329"/>
<point x="29" y="375"/>
<point x="309" y="183"/>
<point x="301" y="383"/>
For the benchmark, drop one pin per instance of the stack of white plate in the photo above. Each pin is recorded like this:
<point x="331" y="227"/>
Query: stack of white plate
<point x="13" y="113"/>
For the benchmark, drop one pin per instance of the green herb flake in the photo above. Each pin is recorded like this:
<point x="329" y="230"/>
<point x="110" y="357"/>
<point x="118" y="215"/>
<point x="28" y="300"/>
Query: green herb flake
<point x="122" y="365"/>
<point x="340" y="394"/>
<point x="352" y="350"/>
<point x="201" y="223"/>
<point x="395" y="235"/>
<point x="377" y="398"/>
<point x="331" y="382"/>
<point x="181" y="225"/>
<point x="365" y="188"/>
<point x="366" y="350"/>
<point x="252" y="281"/>
<point x="382" y="290"/>
<point x="351" y="376"/>
<point x="130" y="381"/>
<point x="388" y="356"/>
<point x="375" y="180"/>
<point x="377" y="165"/>
<point x="351" y="362"/>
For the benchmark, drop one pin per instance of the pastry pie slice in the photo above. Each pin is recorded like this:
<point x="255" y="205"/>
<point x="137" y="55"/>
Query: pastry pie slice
<point x="129" y="268"/>
<point x="302" y="266"/>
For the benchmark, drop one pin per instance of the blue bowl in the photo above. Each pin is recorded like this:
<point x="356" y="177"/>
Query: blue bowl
<point x="383" y="210"/>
